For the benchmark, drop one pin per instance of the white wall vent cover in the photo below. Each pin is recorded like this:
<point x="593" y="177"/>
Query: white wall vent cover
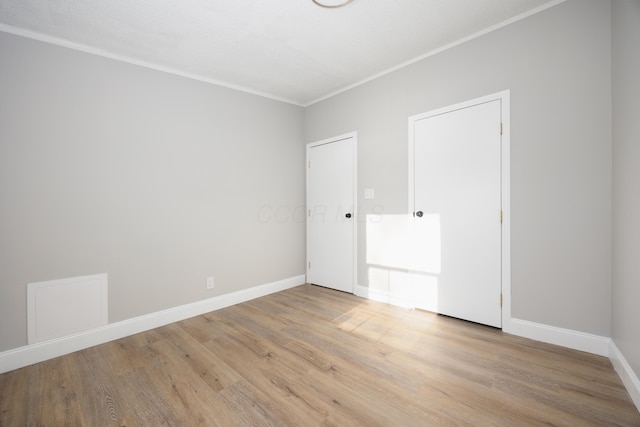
<point x="58" y="308"/>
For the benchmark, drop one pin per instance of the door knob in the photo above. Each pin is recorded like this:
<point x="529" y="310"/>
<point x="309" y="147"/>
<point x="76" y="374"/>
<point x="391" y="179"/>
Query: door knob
<point x="348" y="215"/>
<point x="419" y="214"/>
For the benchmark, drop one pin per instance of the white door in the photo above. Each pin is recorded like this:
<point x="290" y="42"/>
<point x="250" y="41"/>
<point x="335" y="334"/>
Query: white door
<point x="457" y="189"/>
<point x="331" y="218"/>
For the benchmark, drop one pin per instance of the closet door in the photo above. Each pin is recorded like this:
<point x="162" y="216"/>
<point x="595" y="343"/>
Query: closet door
<point x="331" y="218"/>
<point x="457" y="190"/>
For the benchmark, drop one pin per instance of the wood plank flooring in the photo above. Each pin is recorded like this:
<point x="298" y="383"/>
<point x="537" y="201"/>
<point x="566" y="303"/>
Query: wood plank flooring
<point x="310" y="356"/>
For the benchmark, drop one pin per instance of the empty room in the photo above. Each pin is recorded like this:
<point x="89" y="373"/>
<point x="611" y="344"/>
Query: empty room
<point x="319" y="212"/>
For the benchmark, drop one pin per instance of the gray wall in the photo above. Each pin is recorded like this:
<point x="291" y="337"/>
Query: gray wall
<point x="157" y="180"/>
<point x="557" y="65"/>
<point x="626" y="180"/>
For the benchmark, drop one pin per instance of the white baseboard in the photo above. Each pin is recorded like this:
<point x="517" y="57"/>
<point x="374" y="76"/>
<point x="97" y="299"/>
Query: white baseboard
<point x="576" y="340"/>
<point x="628" y="377"/>
<point x="582" y="341"/>
<point x="30" y="354"/>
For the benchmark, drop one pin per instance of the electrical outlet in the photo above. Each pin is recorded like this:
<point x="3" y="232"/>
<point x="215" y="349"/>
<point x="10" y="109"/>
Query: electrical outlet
<point x="210" y="282"/>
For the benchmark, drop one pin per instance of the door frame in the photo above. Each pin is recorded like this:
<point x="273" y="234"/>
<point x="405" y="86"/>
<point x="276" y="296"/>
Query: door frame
<point x="505" y="181"/>
<point x="310" y="145"/>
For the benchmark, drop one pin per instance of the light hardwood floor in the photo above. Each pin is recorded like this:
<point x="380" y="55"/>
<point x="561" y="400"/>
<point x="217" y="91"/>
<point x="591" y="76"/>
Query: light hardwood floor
<point x="311" y="356"/>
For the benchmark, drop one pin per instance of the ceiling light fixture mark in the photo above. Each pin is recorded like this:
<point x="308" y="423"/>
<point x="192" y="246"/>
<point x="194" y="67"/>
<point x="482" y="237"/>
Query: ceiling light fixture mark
<point x="332" y="4"/>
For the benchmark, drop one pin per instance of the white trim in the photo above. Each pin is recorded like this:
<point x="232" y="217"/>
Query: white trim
<point x="351" y="135"/>
<point x="505" y="165"/>
<point x="92" y="50"/>
<point x="106" y="54"/>
<point x="30" y="354"/>
<point x="439" y="50"/>
<point x="505" y="196"/>
<point x="628" y="377"/>
<point x="381" y="296"/>
<point x="569" y="338"/>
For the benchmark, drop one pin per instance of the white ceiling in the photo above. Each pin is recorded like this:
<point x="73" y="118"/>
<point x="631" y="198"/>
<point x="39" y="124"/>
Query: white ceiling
<point x="290" y="50"/>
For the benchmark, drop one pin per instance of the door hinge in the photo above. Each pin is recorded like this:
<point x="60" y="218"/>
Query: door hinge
<point x="309" y="265"/>
<point x="309" y="212"/>
<point x="500" y="128"/>
<point x="500" y="217"/>
<point x="310" y="160"/>
<point x="500" y="300"/>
